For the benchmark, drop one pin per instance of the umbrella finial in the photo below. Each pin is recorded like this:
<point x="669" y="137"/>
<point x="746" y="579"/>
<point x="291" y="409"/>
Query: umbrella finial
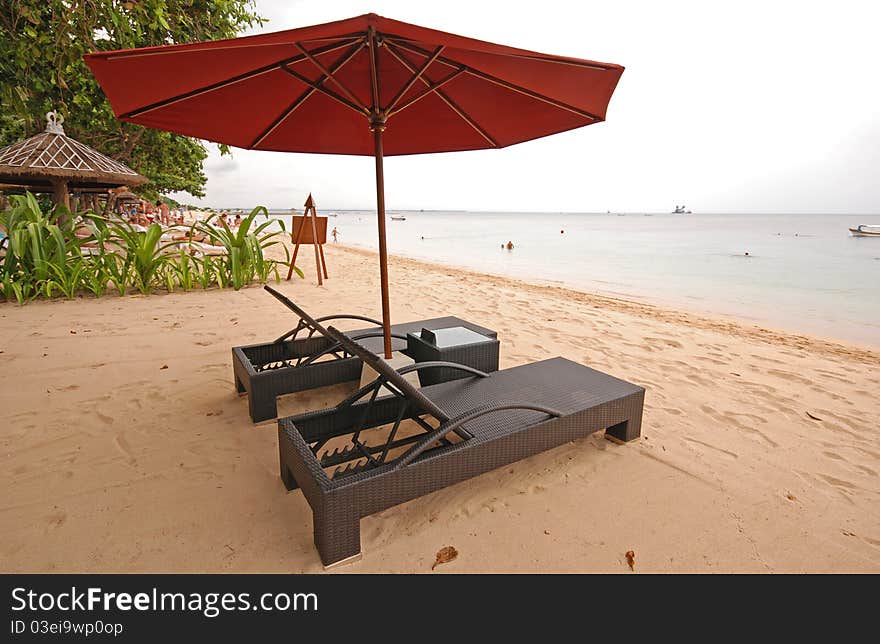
<point x="310" y="203"/>
<point x="53" y="122"/>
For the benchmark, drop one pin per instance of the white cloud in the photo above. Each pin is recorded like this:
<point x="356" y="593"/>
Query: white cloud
<point x="741" y="106"/>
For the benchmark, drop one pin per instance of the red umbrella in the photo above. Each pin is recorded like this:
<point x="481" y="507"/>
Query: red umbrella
<point x="367" y="85"/>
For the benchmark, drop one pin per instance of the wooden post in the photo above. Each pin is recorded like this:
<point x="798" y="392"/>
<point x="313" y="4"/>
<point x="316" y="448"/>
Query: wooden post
<point x="61" y="196"/>
<point x="295" y="246"/>
<point x="323" y="261"/>
<point x="311" y="215"/>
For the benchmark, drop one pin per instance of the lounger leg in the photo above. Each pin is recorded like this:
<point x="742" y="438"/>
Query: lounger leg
<point x="239" y="387"/>
<point x="337" y="535"/>
<point x="287" y="477"/>
<point x="626" y="431"/>
<point x="262" y="407"/>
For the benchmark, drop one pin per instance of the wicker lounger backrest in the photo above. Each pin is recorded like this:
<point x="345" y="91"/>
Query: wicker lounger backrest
<point x="385" y="370"/>
<point x="305" y="317"/>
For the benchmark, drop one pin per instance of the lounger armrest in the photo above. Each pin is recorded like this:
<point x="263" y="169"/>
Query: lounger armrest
<point x="441" y="363"/>
<point x="383" y="368"/>
<point x="303" y="324"/>
<point x="453" y="424"/>
<point x="305" y="320"/>
<point x="346" y="316"/>
<point x="407" y="369"/>
<point x="336" y="346"/>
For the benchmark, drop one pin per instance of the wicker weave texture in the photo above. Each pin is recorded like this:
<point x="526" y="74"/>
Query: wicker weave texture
<point x="589" y="400"/>
<point x="264" y="371"/>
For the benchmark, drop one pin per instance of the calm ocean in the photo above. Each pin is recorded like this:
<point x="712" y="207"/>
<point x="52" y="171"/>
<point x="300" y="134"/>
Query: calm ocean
<point x="803" y="273"/>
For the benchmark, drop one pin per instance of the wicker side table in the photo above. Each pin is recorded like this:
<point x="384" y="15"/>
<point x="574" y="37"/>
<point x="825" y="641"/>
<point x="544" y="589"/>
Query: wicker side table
<point x="452" y="344"/>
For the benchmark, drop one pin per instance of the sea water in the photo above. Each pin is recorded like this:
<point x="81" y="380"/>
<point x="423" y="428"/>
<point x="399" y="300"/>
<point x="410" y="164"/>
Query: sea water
<point x="802" y="273"/>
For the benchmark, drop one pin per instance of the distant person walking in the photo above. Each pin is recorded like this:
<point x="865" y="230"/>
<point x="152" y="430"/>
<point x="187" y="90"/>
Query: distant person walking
<point x="335" y="233"/>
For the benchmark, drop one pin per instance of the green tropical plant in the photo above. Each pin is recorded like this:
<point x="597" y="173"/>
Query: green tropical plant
<point x="21" y="290"/>
<point x="44" y="258"/>
<point x="95" y="278"/>
<point x="183" y="270"/>
<point x="118" y="270"/>
<point x="203" y="269"/>
<point x="67" y="277"/>
<point x="35" y="239"/>
<point x="144" y="252"/>
<point x="245" y="259"/>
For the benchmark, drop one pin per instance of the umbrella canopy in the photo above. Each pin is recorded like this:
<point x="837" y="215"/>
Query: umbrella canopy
<point x="366" y="86"/>
<point x="53" y="161"/>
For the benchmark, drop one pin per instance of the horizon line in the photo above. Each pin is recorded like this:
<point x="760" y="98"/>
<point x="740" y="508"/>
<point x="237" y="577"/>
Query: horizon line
<point x="372" y="210"/>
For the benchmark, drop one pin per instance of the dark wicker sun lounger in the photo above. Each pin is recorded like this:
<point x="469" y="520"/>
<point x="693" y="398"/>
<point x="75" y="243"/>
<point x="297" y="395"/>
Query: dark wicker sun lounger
<point x="290" y="363"/>
<point x="480" y="422"/>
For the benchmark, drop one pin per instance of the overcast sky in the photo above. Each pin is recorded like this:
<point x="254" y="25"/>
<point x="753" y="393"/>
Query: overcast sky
<point x="746" y="106"/>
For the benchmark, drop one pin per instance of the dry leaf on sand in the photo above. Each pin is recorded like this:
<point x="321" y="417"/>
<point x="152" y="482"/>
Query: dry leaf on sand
<point x="813" y="417"/>
<point x="445" y="555"/>
<point x="631" y="559"/>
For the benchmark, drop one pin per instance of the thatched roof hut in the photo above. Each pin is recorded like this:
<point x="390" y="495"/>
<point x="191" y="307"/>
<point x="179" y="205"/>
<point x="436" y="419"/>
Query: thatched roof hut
<point x="53" y="162"/>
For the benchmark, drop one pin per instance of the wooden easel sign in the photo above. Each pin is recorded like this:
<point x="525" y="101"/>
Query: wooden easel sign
<point x="310" y="229"/>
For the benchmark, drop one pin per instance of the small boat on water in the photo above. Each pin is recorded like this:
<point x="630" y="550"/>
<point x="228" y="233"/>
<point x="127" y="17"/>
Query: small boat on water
<point x="398" y="217"/>
<point x="865" y="230"/>
<point x="681" y="210"/>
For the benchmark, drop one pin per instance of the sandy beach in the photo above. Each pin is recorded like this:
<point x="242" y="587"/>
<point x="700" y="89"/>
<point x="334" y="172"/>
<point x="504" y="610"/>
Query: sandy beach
<point x="126" y="449"/>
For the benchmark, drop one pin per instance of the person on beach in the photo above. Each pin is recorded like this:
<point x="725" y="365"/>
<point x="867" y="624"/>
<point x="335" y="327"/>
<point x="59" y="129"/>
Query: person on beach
<point x="509" y="245"/>
<point x="164" y="213"/>
<point x="335" y="234"/>
<point x="223" y="220"/>
<point x="237" y="221"/>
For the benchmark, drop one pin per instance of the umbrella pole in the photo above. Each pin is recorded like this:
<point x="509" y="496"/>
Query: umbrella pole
<point x="383" y="250"/>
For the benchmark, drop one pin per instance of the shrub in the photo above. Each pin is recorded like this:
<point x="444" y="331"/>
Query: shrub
<point x="45" y="257"/>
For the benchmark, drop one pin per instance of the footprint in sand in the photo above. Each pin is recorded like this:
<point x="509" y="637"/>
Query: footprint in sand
<point x="124" y="448"/>
<point x="104" y="418"/>
<point x="733" y="417"/>
<point x="663" y="341"/>
<point x="844" y="486"/>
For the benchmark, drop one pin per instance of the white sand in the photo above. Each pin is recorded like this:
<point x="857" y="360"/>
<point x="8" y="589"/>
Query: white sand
<point x="113" y="463"/>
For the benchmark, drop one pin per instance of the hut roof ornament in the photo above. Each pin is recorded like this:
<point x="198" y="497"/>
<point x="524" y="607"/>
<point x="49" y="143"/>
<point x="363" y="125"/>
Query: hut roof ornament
<point x="54" y="121"/>
<point x="54" y="161"/>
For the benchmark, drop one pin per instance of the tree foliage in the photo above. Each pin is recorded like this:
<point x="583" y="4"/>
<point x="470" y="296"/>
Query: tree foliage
<point x="42" y="43"/>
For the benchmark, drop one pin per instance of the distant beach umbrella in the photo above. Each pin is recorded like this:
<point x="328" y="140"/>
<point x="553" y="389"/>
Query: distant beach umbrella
<point x="365" y="86"/>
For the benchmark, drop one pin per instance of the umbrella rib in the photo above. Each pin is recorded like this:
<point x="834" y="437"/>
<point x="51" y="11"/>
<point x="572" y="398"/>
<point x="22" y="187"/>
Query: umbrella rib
<point x="329" y="92"/>
<point x="455" y="108"/>
<point x="504" y="83"/>
<point x="429" y="89"/>
<point x="412" y="81"/>
<point x="305" y="95"/>
<point x="374" y="71"/>
<point x="317" y="63"/>
<point x="229" y="81"/>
